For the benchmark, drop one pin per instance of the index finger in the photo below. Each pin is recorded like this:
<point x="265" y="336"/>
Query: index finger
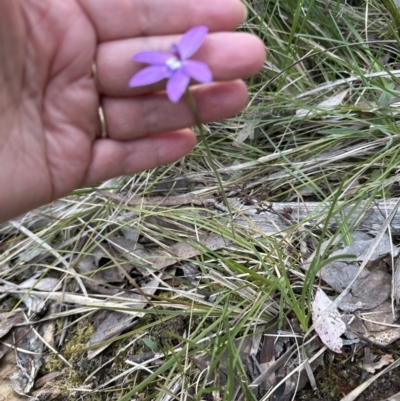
<point x="120" y="19"/>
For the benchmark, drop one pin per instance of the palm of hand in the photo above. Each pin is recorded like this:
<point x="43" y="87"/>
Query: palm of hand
<point x="50" y="100"/>
<point x="48" y="107"/>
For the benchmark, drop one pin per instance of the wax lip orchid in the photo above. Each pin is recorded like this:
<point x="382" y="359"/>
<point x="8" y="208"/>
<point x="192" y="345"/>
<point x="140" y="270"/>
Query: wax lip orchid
<point x="174" y="66"/>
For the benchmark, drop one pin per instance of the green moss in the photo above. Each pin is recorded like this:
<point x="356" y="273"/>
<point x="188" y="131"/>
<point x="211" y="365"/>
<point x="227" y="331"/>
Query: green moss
<point x="72" y="351"/>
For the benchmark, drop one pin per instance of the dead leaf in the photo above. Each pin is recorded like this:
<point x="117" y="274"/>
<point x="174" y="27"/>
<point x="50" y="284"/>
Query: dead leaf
<point x="47" y="378"/>
<point x="267" y="356"/>
<point x="191" y="272"/>
<point x="373" y="286"/>
<point x="328" y="104"/>
<point x="189" y="250"/>
<point x="245" y="132"/>
<point x="48" y="328"/>
<point x="90" y="265"/>
<point x="29" y="363"/>
<point x="130" y="233"/>
<point x="360" y="245"/>
<point x="33" y="303"/>
<point x="40" y="284"/>
<point x="39" y="383"/>
<point x="372" y="367"/>
<point x="328" y="322"/>
<point x="370" y="291"/>
<point x="377" y="325"/>
<point x="9" y="319"/>
<point x="7" y="367"/>
<point x="115" y="322"/>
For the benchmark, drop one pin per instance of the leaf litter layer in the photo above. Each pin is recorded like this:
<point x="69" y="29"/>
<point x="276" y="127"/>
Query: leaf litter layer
<point x="147" y="288"/>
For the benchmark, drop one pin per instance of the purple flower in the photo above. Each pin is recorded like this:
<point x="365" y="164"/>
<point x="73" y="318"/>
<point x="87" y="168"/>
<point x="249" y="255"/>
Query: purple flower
<point x="174" y="66"/>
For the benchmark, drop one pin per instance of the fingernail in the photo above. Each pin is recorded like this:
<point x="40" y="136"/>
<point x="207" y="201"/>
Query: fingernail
<point x="246" y="13"/>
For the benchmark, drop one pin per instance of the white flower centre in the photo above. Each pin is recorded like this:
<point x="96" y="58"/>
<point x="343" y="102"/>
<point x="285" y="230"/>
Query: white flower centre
<point x="173" y="63"/>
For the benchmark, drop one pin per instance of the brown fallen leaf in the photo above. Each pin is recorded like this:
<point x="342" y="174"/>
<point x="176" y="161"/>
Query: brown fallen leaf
<point x="29" y="361"/>
<point x="8" y="320"/>
<point x="386" y="359"/>
<point x="14" y="336"/>
<point x="377" y="325"/>
<point x="7" y="366"/>
<point x="115" y="322"/>
<point x="39" y="383"/>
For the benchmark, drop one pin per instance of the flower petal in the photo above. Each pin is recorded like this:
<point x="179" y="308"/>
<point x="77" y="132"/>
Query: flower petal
<point x="149" y="75"/>
<point x="197" y="70"/>
<point x="152" y="57"/>
<point x="191" y="41"/>
<point x="177" y="85"/>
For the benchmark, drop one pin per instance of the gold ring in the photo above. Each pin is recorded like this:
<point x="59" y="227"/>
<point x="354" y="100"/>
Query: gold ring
<point x="100" y="111"/>
<point x="103" y="125"/>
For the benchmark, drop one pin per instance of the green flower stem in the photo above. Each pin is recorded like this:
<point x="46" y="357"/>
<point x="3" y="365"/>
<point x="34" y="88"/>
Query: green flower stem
<point x="203" y="139"/>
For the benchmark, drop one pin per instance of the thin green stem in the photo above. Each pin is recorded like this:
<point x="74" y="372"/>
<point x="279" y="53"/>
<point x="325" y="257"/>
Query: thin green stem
<point x="203" y="139"/>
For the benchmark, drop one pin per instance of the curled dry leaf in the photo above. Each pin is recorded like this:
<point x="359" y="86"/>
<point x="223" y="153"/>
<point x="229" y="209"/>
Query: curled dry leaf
<point x="385" y="360"/>
<point x="328" y="322"/>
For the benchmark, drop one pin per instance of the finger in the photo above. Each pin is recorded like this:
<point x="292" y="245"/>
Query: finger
<point x="130" y="118"/>
<point x="112" y="158"/>
<point x="229" y="56"/>
<point x="119" y="19"/>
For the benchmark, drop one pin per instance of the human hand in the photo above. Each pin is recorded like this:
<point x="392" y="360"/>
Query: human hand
<point x="49" y="125"/>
